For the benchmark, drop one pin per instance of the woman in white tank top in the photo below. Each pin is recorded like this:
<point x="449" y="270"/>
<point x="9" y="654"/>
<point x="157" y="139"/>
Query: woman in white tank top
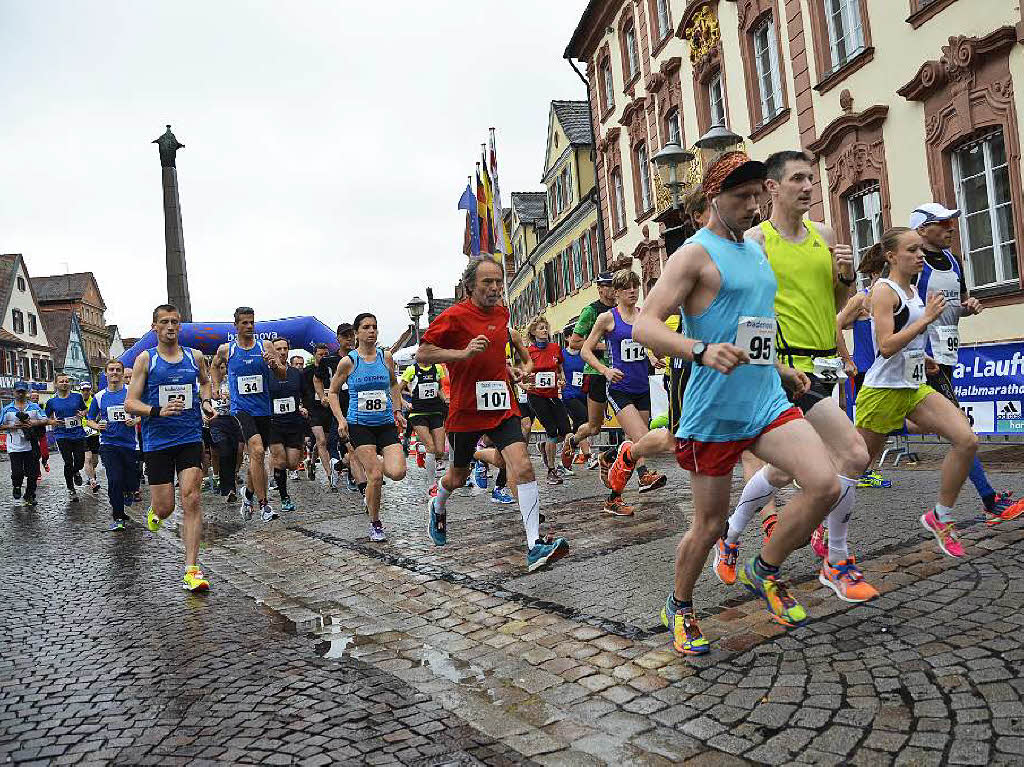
<point x="894" y="387"/>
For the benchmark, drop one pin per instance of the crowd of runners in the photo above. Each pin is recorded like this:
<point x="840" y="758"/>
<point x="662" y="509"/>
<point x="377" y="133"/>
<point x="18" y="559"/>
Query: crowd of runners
<point x="745" y="326"/>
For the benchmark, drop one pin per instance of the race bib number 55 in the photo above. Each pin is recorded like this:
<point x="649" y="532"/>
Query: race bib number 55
<point x="492" y="395"/>
<point x="117" y="414"/>
<point x="756" y="336"/>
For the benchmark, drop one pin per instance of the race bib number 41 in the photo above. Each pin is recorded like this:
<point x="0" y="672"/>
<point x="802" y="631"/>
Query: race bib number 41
<point x="756" y="336"/>
<point x="250" y="384"/>
<point x="372" y="401"/>
<point x="492" y="395"/>
<point x="631" y="351"/>
<point x="913" y="368"/>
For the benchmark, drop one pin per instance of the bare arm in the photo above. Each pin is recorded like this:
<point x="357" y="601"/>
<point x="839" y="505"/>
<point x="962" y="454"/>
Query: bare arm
<point x="604" y="323"/>
<point x="428" y="354"/>
<point x="278" y="368"/>
<point x="851" y="312"/>
<point x="133" y="399"/>
<point x="842" y="262"/>
<point x="519" y="349"/>
<point x="396" y="392"/>
<point x="220" y="356"/>
<point x="341" y="374"/>
<point x="883" y="301"/>
<point x="205" y="389"/>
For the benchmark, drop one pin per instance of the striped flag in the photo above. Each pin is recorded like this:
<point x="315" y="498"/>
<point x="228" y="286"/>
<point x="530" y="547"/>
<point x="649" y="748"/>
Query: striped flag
<point x="501" y="238"/>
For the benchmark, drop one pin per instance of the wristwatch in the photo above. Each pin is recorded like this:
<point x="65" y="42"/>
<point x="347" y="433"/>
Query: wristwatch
<point x="697" y="350"/>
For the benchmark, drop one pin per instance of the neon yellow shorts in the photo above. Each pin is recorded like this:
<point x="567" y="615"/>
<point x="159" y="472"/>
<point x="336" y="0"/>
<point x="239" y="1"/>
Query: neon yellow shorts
<point x="884" y="410"/>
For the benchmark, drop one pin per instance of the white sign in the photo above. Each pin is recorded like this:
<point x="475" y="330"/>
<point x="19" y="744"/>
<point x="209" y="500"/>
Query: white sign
<point x="492" y="395"/>
<point x="756" y="336"/>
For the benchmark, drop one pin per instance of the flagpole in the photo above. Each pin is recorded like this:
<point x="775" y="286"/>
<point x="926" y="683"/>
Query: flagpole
<point x="501" y="227"/>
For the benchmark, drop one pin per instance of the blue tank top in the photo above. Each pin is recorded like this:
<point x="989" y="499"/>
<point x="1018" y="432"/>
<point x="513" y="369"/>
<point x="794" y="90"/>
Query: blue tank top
<point x="719" y="407"/>
<point x="628" y="356"/>
<point x="249" y="380"/>
<point x="369" y="391"/>
<point x="166" y="381"/>
<point x="66" y="410"/>
<point x="108" y="406"/>
<point x="572" y="364"/>
<point x="863" y="343"/>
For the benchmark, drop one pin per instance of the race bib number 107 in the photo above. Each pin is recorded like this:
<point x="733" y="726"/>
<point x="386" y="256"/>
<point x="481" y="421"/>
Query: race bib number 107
<point x="492" y="395"/>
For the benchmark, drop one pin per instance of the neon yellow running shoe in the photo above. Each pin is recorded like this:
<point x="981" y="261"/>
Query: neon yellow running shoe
<point x="153" y="522"/>
<point x="194" y="580"/>
<point x="780" y="603"/>
<point x="687" y="638"/>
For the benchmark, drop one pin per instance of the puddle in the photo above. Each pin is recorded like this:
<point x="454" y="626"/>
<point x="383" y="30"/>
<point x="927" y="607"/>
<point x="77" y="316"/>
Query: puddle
<point x="452" y="669"/>
<point x="335" y="641"/>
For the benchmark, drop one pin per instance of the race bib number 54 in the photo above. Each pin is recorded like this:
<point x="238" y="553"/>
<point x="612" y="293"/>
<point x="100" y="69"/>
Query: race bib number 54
<point x="492" y="395"/>
<point x="756" y="336"/>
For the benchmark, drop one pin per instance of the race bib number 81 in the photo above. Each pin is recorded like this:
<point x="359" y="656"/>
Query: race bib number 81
<point x="756" y="336"/>
<point x="284" y="405"/>
<point x="492" y="395"/>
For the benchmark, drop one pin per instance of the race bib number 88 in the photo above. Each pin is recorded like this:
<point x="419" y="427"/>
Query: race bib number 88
<point x="372" y="401"/>
<point x="756" y="336"/>
<point x="492" y="395"/>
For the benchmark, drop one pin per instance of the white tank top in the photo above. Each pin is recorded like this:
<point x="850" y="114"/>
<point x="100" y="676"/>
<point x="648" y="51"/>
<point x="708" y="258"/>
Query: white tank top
<point x="905" y="368"/>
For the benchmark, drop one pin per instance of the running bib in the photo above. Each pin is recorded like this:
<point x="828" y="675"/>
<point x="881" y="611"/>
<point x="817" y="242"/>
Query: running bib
<point x="250" y="384"/>
<point x="829" y="369"/>
<point x="427" y="390"/>
<point x="631" y="351"/>
<point x="492" y="395"/>
<point x="577" y="379"/>
<point x="72" y="423"/>
<point x="756" y="336"/>
<point x="372" y="401"/>
<point x="948" y="346"/>
<point x="913" y="367"/>
<point x="544" y="380"/>
<point x="117" y="414"/>
<point x="176" y="393"/>
<point x="523" y="397"/>
<point x="284" y="405"/>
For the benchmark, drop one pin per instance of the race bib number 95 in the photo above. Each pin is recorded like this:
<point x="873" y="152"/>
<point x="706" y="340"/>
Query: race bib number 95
<point x="756" y="336"/>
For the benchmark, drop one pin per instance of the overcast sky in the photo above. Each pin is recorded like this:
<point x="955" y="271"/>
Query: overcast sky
<point x="327" y="143"/>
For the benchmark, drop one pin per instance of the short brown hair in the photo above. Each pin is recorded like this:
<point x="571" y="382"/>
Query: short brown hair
<point x="169" y="308"/>
<point x="113" y="362"/>
<point x="535" y="323"/>
<point x="625" y="278"/>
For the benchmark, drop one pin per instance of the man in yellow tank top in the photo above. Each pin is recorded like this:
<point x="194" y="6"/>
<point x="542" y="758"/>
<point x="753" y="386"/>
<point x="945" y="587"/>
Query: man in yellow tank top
<point x="814" y="275"/>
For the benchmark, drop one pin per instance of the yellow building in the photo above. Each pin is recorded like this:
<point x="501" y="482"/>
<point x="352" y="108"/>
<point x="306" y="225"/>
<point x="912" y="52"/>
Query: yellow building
<point x="554" y="233"/>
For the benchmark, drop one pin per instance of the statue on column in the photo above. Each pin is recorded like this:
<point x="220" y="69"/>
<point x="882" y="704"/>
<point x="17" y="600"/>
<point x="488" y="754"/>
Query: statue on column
<point x="168" y="146"/>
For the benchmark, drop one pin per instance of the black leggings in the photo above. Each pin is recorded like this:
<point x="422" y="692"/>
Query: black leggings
<point x="73" y="453"/>
<point x="227" y="463"/>
<point x="25" y="465"/>
<point x="552" y="415"/>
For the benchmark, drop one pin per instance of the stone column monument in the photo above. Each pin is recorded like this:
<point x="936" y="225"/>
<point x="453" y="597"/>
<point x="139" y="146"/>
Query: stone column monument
<point x="174" y="239"/>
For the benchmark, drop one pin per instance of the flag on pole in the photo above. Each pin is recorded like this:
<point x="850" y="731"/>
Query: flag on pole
<point x="501" y="238"/>
<point x="482" y="214"/>
<point x="471" y="242"/>
<point x="492" y="222"/>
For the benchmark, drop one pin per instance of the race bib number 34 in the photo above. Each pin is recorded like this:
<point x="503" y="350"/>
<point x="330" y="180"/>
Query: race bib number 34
<point x="631" y="351"/>
<point x="372" y="401"/>
<point x="492" y="395"/>
<point x="250" y="384"/>
<point x="756" y="336"/>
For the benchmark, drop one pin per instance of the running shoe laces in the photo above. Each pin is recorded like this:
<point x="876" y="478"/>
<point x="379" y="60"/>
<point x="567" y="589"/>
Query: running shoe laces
<point x="847" y="570"/>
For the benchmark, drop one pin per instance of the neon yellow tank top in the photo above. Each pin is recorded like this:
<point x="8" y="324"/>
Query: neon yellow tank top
<point x="805" y="302"/>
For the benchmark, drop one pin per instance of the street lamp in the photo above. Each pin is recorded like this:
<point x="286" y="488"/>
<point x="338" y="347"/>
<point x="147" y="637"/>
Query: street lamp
<point x="415" y="309"/>
<point x="672" y="163"/>
<point x="719" y="138"/>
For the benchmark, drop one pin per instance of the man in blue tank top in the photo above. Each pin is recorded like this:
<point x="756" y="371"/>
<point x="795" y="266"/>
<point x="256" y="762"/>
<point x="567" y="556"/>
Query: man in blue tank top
<point x="118" y="442"/>
<point x="65" y="409"/>
<point x="735" y="399"/>
<point x="250" y="363"/>
<point x="169" y="390"/>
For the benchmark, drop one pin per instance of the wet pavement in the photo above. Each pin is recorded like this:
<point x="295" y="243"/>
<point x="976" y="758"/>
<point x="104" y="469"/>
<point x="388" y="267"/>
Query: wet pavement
<point x="564" y="666"/>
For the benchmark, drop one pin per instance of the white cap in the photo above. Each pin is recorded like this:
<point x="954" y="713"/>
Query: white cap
<point x="929" y="213"/>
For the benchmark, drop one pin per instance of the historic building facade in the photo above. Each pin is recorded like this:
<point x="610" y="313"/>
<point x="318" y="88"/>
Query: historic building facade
<point x="79" y="294"/>
<point x="901" y="102"/>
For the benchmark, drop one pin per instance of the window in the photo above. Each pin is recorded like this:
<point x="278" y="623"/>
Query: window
<point x="767" y="62"/>
<point x="981" y="177"/>
<point x="23" y="367"/>
<point x="845" y="30"/>
<point x="865" y="210"/>
<point x="577" y="263"/>
<point x="716" y="99"/>
<point x="567" y="183"/>
<point x="568" y="286"/>
<point x="644" y="172"/>
<point x="21" y="284"/>
<point x="608" y="84"/>
<point x="550" y="281"/>
<point x="618" y="201"/>
<point x="673" y="131"/>
<point x="19" y="320"/>
<point x="662" y="22"/>
<point x="34" y="369"/>
<point x="33" y="326"/>
<point x="632" y="58"/>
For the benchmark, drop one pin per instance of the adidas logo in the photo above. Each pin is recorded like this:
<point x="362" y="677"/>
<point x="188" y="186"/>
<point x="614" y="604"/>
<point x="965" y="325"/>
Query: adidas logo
<point x="1010" y="409"/>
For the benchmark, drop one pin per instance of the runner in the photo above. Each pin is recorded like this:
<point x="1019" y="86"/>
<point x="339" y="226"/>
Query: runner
<point x="320" y="418"/>
<point x="118" y="442"/>
<point x="814" y="274"/>
<point x="943" y="273"/>
<point x="65" y="410"/>
<point x="227" y="437"/>
<point x="470" y="338"/>
<point x="298" y="362"/>
<point x="594" y="385"/>
<point x="139" y="456"/>
<point x="573" y="397"/>
<point x="542" y="392"/>
<point x="721" y="280"/>
<point x="40" y="446"/>
<point x="92" y="442"/>
<point x="249" y="366"/>
<point x="19" y="419"/>
<point x="341" y="450"/>
<point x="288" y="423"/>
<point x="895" y="386"/>
<point x="426" y="414"/>
<point x="169" y="385"/>
<point x="374" y="414"/>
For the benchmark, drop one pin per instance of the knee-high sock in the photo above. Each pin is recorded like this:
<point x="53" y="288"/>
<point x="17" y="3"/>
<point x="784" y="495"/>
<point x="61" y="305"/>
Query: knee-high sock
<point x="442" y="497"/>
<point x="757" y="493"/>
<point x="980" y="481"/>
<point x="839" y="520"/>
<point x="529" y="506"/>
<point x="430" y="465"/>
<point x="502" y="479"/>
<point x="281" y="475"/>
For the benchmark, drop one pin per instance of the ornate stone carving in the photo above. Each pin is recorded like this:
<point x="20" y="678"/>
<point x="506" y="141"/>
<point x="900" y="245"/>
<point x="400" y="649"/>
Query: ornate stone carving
<point x="846" y="101"/>
<point x="959" y="63"/>
<point x="703" y="34"/>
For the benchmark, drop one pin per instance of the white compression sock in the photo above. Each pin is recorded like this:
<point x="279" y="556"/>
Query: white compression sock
<point x="529" y="507"/>
<point x="430" y="464"/>
<point x="442" y="496"/>
<point x="839" y="520"/>
<point x="943" y="513"/>
<point x="757" y="493"/>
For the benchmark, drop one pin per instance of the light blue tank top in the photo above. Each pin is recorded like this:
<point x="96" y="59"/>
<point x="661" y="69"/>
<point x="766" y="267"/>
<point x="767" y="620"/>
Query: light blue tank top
<point x="628" y="356"/>
<point x="179" y="379"/>
<point x="369" y="391"/>
<point x="252" y="394"/>
<point x="719" y="407"/>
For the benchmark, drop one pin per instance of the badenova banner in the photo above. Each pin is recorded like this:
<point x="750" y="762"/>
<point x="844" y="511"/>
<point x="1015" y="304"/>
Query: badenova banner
<point x="989" y="382"/>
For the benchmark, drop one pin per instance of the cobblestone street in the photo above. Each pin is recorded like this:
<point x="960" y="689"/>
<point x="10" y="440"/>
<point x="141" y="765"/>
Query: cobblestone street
<point x="315" y="644"/>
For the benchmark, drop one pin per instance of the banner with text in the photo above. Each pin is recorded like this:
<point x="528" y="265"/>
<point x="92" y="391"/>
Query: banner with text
<point x="989" y="382"/>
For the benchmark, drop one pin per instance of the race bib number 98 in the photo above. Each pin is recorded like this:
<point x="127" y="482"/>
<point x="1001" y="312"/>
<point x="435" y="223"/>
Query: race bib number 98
<point x="947" y="348"/>
<point x="492" y="395"/>
<point x="631" y="351"/>
<point x="372" y="401"/>
<point x="250" y="384"/>
<point x="756" y="336"/>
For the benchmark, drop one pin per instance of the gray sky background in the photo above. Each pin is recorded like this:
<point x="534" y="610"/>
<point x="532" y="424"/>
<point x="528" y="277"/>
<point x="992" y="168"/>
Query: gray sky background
<point x="327" y="143"/>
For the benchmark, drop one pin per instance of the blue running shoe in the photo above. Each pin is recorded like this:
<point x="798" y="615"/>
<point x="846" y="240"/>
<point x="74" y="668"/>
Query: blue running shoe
<point x="501" y="495"/>
<point x="437" y="527"/>
<point x="287" y="505"/>
<point x="129" y="499"/>
<point x="544" y="552"/>
<point x="117" y="524"/>
<point x="480" y="475"/>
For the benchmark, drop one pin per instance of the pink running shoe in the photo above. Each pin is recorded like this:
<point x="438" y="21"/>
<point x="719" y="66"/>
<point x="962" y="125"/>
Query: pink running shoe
<point x="819" y="542"/>
<point x="945" y="534"/>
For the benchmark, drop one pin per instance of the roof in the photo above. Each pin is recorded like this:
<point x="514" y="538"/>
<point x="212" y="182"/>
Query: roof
<point x="575" y="119"/>
<point x="128" y="342"/>
<point x="9" y="263"/>
<point x="438" y="305"/>
<point x="572" y="50"/>
<point x="57" y="324"/>
<point x="65" y="287"/>
<point x="530" y="206"/>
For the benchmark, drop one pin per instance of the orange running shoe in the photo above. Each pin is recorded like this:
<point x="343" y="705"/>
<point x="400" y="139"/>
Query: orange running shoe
<point x="617" y="507"/>
<point x="621" y="469"/>
<point x="846" y="579"/>
<point x="724" y="565"/>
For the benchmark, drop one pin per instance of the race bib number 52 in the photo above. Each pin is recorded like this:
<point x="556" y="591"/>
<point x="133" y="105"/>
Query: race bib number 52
<point x="756" y="336"/>
<point x="492" y="395"/>
<point x="176" y="393"/>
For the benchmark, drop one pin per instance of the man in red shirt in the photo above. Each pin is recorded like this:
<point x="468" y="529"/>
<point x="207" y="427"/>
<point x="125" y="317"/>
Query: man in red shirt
<point x="470" y="339"/>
